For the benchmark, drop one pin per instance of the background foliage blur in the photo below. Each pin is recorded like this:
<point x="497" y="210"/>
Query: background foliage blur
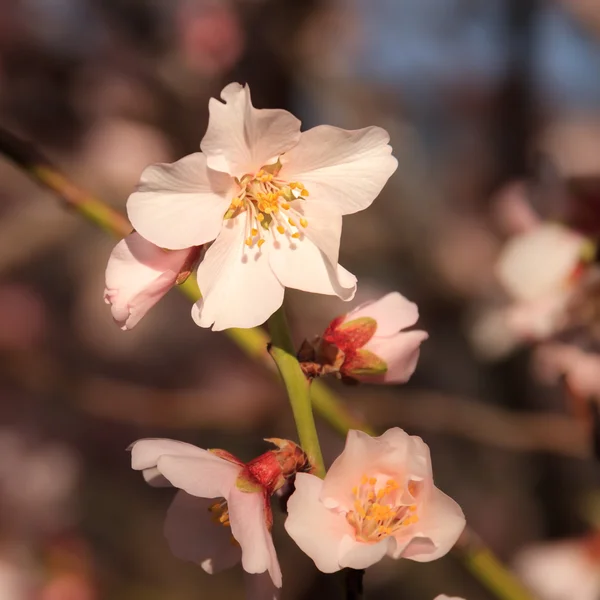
<point x="483" y="100"/>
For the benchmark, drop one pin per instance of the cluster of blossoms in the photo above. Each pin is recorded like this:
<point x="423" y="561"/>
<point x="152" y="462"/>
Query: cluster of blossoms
<point x="260" y="209"/>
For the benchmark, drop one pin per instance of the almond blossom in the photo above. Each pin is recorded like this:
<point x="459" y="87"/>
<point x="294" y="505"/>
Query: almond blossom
<point x="377" y="498"/>
<point x="271" y="200"/>
<point x="539" y="269"/>
<point x="139" y="274"/>
<point x="222" y="513"/>
<point x="375" y="348"/>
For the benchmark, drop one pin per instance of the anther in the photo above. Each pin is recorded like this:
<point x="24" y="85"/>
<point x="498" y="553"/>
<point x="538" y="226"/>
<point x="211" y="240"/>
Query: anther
<point x="304" y="223"/>
<point x="281" y="229"/>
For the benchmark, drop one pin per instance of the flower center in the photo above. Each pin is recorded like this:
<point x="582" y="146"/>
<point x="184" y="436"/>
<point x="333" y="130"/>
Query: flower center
<point x="267" y="200"/>
<point x="377" y="511"/>
<point x="219" y="512"/>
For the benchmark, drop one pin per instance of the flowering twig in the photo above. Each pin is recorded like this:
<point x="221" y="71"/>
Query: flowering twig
<point x="298" y="388"/>
<point x="478" y="558"/>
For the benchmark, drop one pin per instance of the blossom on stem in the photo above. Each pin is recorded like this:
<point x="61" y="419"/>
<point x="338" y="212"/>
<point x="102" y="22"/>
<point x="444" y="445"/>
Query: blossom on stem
<point x="222" y="513"/>
<point x="270" y="198"/>
<point x="139" y="274"/>
<point x="377" y="498"/>
<point x="539" y="270"/>
<point x="368" y="344"/>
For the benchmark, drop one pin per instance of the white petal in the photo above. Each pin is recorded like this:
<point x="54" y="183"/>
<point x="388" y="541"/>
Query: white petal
<point x="239" y="288"/>
<point x="249" y="527"/>
<point x="302" y="266"/>
<point x="205" y="476"/>
<point x="194" y="537"/>
<point x="440" y="524"/>
<point x="317" y="530"/>
<point x="539" y="261"/>
<point x="146" y="452"/>
<point x="361" y="555"/>
<point x="240" y="138"/>
<point x="182" y="204"/>
<point x="400" y="352"/>
<point x="153" y="477"/>
<point x="393" y="313"/>
<point x="138" y="275"/>
<point x="341" y="168"/>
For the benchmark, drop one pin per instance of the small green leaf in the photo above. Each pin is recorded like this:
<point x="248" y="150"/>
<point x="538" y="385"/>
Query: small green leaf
<point x="365" y="362"/>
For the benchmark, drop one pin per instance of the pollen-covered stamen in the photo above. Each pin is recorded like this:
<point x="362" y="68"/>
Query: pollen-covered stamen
<point x="377" y="511"/>
<point x="219" y="513"/>
<point x="267" y="200"/>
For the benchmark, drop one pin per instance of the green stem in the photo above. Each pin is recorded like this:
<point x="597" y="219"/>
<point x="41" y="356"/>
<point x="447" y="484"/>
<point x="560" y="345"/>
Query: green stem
<point x="298" y="388"/>
<point x="479" y="559"/>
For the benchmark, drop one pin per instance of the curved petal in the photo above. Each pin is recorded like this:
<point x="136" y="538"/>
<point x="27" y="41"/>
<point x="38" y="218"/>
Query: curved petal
<point x="302" y="266"/>
<point x="400" y="352"/>
<point x="193" y="536"/>
<point x="343" y="169"/>
<point x="238" y="286"/>
<point x="360" y="555"/>
<point x="182" y="204"/>
<point x="249" y="527"/>
<point x="440" y="524"/>
<point x="539" y="261"/>
<point x="317" y="530"/>
<point x="138" y="275"/>
<point x="240" y="138"/>
<point x="146" y="452"/>
<point x="205" y="476"/>
<point x="393" y="313"/>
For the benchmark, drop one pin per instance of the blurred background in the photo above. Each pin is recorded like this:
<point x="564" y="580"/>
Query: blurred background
<point x="485" y="100"/>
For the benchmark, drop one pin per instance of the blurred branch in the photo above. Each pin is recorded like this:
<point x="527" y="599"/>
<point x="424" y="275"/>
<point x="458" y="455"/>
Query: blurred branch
<point x="478" y="558"/>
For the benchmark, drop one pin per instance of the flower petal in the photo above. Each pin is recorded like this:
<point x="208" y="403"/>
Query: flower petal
<point x="317" y="530"/>
<point x="206" y="476"/>
<point x="249" y="527"/>
<point x="182" y="204"/>
<point x="361" y="555"/>
<point x="441" y="522"/>
<point x="240" y="138"/>
<point x="539" y="261"/>
<point x="393" y="313"/>
<point x="400" y="352"/>
<point x="343" y="169"/>
<point x="146" y="452"/>
<point x="138" y="275"/>
<point x="302" y="266"/>
<point x="194" y="537"/>
<point x="238" y="286"/>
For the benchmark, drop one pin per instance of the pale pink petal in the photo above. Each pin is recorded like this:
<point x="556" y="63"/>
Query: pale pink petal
<point x="238" y="286"/>
<point x="512" y="209"/>
<point x="539" y="261"/>
<point x="317" y="530"/>
<point x="182" y="204"/>
<point x="393" y="313"/>
<point x="153" y="477"/>
<point x="541" y="318"/>
<point x="240" y="138"/>
<point x="300" y="265"/>
<point x="417" y="457"/>
<point x="138" y="275"/>
<point x="340" y="168"/>
<point x="194" y="537"/>
<point x="360" y="555"/>
<point x="206" y="476"/>
<point x="249" y="527"/>
<point x="146" y="452"/>
<point x="362" y="455"/>
<point x="441" y="521"/>
<point x="400" y="352"/>
<point x="260" y="587"/>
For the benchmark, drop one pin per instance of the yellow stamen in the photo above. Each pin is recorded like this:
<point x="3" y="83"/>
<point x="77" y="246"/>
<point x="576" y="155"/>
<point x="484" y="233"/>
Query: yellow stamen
<point x="281" y="229"/>
<point x="260" y="217"/>
<point x="285" y="206"/>
<point x="296" y="235"/>
<point x="254" y="231"/>
<point x="292" y="222"/>
<point x="249" y="242"/>
<point x="304" y="222"/>
<point x="304" y="192"/>
<point x="260" y="242"/>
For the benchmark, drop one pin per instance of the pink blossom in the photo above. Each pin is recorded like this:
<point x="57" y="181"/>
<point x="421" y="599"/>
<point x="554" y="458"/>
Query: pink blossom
<point x="138" y="275"/>
<point x="377" y="498"/>
<point x="221" y="514"/>
<point x="270" y="198"/>
<point x="539" y="269"/>
<point x="375" y="347"/>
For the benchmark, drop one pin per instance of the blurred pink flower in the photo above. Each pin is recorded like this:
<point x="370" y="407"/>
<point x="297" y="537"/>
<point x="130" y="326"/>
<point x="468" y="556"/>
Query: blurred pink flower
<point x="375" y="347"/>
<point x="539" y="269"/>
<point x="22" y="317"/>
<point x="243" y="192"/>
<point x="221" y="515"/>
<point x="561" y="570"/>
<point x="377" y="498"/>
<point x="138" y="275"/>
